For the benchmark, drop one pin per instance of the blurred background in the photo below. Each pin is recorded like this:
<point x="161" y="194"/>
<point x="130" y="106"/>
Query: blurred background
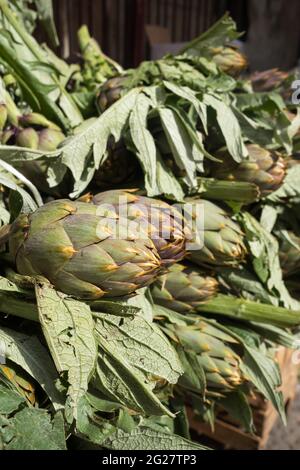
<point x="134" y="30"/>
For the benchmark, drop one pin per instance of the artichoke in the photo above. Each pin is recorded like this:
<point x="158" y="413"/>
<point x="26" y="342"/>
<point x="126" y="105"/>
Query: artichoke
<point x="120" y="167"/>
<point x="229" y="59"/>
<point x="268" y="80"/>
<point x="110" y="92"/>
<point x="162" y="223"/>
<point x="209" y="355"/>
<point x="28" y="138"/>
<point x="183" y="288"/>
<point x="76" y="249"/>
<point x="50" y="139"/>
<point x="219" y="241"/>
<point x="265" y="168"/>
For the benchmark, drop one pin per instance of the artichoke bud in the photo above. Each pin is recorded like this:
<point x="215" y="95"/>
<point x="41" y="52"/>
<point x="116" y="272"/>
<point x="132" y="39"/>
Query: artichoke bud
<point x="62" y="242"/>
<point x="229" y="59"/>
<point x="206" y="342"/>
<point x="265" y="168"/>
<point x="28" y="138"/>
<point x="37" y="121"/>
<point x="183" y="288"/>
<point x="110" y="92"/>
<point x="49" y="139"/>
<point x="268" y="80"/>
<point x="220" y="241"/>
<point x="3" y="115"/>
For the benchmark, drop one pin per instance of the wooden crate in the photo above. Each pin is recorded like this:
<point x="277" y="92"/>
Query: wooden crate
<point x="228" y="433"/>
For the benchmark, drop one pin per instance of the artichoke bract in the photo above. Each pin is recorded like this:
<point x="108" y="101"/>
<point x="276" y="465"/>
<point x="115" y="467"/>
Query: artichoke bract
<point x="265" y="168"/>
<point x="183" y="288"/>
<point x="219" y="241"/>
<point x="162" y="223"/>
<point x="78" y="252"/>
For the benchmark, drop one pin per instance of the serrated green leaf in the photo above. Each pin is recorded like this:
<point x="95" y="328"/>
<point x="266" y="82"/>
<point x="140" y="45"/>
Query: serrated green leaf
<point x="265" y="259"/>
<point x="180" y="143"/>
<point x="229" y="126"/>
<point x="33" y="429"/>
<point x="145" y="438"/>
<point x="28" y="353"/>
<point x="143" y="141"/>
<point x="91" y="427"/>
<point x="142" y="345"/>
<point x="126" y="385"/>
<point x="190" y="96"/>
<point x="133" y="356"/>
<point x="236" y="404"/>
<point x="10" y="400"/>
<point x="219" y="34"/>
<point x="265" y="375"/>
<point x="69" y="331"/>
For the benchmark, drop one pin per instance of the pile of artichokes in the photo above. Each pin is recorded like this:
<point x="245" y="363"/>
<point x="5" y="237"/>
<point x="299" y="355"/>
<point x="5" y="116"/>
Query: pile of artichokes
<point x="173" y="286"/>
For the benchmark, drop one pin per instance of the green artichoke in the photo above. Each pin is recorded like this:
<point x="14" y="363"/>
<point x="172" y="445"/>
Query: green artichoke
<point x="208" y="354"/>
<point x="222" y="240"/>
<point x="183" y="288"/>
<point x="229" y="59"/>
<point x="265" y="168"/>
<point x="162" y="223"/>
<point x="77" y="251"/>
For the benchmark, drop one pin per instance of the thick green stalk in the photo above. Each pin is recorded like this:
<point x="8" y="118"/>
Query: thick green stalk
<point x="249" y="310"/>
<point x="11" y="305"/>
<point x="220" y="190"/>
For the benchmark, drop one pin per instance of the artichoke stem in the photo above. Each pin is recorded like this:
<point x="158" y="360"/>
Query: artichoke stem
<point x="220" y="190"/>
<point x="249" y="310"/>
